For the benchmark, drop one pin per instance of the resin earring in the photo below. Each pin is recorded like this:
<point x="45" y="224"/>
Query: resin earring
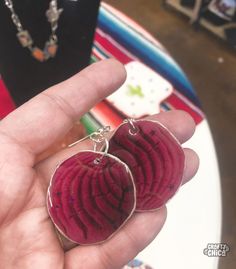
<point x="91" y="194"/>
<point x="155" y="158"/>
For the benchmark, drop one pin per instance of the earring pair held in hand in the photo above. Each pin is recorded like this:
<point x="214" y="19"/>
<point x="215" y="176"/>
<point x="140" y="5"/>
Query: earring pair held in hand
<point x="93" y="193"/>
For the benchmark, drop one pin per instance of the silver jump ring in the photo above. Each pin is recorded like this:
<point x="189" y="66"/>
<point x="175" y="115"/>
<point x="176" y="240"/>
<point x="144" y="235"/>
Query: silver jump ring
<point x="133" y="129"/>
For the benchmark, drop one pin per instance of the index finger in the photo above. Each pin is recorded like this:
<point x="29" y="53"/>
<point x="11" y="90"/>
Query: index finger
<point x="49" y="116"/>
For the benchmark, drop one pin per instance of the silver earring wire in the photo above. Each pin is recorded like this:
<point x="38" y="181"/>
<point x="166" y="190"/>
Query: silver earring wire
<point x="97" y="137"/>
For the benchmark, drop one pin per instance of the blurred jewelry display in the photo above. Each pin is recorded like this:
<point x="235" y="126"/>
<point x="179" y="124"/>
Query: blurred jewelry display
<point x="51" y="46"/>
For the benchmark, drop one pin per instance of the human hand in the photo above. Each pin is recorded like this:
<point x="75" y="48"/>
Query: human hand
<point x="27" y="235"/>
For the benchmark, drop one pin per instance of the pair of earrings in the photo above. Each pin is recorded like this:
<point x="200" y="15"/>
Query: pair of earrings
<point x="93" y="193"/>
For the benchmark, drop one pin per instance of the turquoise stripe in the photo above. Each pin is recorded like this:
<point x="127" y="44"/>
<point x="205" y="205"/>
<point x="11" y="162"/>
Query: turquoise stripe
<point x="100" y="51"/>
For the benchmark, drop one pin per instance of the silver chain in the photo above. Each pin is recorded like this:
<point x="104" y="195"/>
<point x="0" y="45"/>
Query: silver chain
<point x="52" y="14"/>
<point x="14" y="16"/>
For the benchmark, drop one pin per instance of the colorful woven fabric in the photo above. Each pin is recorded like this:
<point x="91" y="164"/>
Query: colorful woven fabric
<point x="119" y="37"/>
<point x="6" y="103"/>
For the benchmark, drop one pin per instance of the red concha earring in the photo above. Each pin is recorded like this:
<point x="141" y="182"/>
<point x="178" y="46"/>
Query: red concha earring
<point x="91" y="194"/>
<point x="155" y="158"/>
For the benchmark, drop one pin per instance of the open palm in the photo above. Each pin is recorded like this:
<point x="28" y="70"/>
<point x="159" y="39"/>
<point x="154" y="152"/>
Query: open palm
<point x="27" y="236"/>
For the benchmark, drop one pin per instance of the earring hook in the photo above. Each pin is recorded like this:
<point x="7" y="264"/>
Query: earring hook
<point x="96" y="137"/>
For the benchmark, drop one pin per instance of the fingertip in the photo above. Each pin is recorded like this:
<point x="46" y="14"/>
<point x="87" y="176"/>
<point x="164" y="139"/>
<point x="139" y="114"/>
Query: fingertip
<point x="178" y="122"/>
<point x="187" y="119"/>
<point x="121" y="74"/>
<point x="119" y="66"/>
<point x="183" y="122"/>
<point x="192" y="163"/>
<point x="113" y="70"/>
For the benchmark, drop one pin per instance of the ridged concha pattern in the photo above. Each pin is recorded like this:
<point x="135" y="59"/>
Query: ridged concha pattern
<point x="155" y="158"/>
<point x="90" y="197"/>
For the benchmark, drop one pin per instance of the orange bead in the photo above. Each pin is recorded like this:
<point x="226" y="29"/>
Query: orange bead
<point x="52" y="49"/>
<point x="38" y="54"/>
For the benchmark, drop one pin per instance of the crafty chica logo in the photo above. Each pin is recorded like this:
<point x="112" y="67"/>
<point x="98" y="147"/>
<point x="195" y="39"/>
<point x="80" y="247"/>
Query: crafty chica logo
<point x="216" y="250"/>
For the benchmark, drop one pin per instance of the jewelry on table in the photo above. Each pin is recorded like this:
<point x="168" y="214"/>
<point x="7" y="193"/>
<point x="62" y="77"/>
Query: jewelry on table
<point x="94" y="192"/>
<point x="51" y="46"/>
<point x="91" y="194"/>
<point x="155" y="158"/>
